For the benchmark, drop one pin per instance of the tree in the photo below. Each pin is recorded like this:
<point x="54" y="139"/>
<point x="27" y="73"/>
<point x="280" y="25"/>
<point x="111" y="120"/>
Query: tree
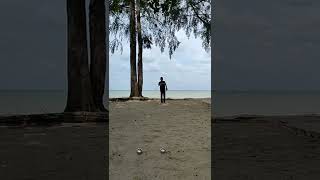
<point x="119" y="10"/>
<point x="119" y="27"/>
<point x="133" y="41"/>
<point x="97" y="25"/>
<point x="200" y="20"/>
<point x="157" y="23"/>
<point x="86" y="87"/>
<point x="193" y="16"/>
<point x="79" y="83"/>
<point x="140" y="50"/>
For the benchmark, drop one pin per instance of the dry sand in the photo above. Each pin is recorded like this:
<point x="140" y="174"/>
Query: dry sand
<point x="258" y="148"/>
<point x="71" y="151"/>
<point x="182" y="127"/>
<point x="263" y="149"/>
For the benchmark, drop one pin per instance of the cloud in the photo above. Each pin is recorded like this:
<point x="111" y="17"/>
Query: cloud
<point x="190" y="64"/>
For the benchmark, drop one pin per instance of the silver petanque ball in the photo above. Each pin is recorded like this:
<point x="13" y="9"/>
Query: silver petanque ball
<point x="162" y="150"/>
<point x="139" y="151"/>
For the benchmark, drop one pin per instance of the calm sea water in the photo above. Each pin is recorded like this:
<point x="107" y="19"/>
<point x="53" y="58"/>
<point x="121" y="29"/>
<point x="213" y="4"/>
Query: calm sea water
<point x="266" y="103"/>
<point x="31" y="101"/>
<point x="224" y="103"/>
<point x="39" y="101"/>
<point x="169" y="94"/>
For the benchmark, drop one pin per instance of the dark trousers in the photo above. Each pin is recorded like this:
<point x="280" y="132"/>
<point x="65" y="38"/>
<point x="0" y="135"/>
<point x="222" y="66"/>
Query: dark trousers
<point x="163" y="96"/>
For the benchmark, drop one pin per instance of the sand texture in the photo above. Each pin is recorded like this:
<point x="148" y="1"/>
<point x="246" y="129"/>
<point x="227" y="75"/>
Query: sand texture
<point x="73" y="151"/>
<point x="182" y="127"/>
<point x="264" y="149"/>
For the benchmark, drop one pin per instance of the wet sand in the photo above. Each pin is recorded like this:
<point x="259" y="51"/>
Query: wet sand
<point x="182" y="127"/>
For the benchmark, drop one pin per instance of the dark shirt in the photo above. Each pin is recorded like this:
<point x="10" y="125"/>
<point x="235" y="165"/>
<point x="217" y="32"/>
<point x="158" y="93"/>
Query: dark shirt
<point x="162" y="85"/>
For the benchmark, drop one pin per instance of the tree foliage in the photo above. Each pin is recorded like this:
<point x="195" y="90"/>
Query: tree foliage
<point x="161" y="20"/>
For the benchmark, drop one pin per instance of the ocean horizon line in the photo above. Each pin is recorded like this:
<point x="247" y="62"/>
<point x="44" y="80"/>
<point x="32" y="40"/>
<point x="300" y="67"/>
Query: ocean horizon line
<point x="168" y="90"/>
<point x="105" y="90"/>
<point x="177" y="90"/>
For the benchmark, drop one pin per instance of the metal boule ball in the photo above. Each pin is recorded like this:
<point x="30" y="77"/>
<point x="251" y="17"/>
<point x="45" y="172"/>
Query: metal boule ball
<point x="139" y="151"/>
<point x="162" y="150"/>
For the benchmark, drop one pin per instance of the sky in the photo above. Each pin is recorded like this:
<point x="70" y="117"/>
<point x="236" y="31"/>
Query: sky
<point x="266" y="44"/>
<point x="188" y="69"/>
<point x="33" y="53"/>
<point x="32" y="44"/>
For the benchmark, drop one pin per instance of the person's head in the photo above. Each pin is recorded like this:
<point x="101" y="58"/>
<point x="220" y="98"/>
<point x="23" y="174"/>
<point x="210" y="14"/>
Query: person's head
<point x="161" y="78"/>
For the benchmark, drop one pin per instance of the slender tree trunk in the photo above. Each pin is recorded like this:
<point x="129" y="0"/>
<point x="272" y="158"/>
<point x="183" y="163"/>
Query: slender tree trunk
<point x="79" y="86"/>
<point x="97" y="25"/>
<point x="133" y="41"/>
<point x="140" y="48"/>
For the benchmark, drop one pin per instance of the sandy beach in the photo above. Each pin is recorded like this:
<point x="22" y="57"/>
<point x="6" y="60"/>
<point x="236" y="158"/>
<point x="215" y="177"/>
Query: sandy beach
<point x="244" y="148"/>
<point x="264" y="148"/>
<point x="61" y="151"/>
<point x="182" y="127"/>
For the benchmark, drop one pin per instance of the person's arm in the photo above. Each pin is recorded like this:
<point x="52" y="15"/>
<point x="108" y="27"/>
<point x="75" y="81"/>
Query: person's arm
<point x="166" y="87"/>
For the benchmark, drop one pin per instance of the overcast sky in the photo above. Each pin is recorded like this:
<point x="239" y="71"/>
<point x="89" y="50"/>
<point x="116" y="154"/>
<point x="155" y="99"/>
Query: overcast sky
<point x="266" y="44"/>
<point x="188" y="69"/>
<point x="32" y="44"/>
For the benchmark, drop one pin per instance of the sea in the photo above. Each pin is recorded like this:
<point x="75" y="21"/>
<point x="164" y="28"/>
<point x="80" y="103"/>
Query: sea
<point x="175" y="94"/>
<point x="225" y="103"/>
<point x="231" y="103"/>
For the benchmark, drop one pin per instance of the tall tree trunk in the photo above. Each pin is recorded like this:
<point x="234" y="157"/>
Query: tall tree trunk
<point x="79" y="86"/>
<point x="133" y="41"/>
<point x="97" y="25"/>
<point x="140" y="48"/>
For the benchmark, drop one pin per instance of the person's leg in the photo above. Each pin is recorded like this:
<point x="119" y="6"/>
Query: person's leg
<point x="161" y="96"/>
<point x="164" y="97"/>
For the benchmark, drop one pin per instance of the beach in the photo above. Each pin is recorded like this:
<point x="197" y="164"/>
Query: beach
<point x="181" y="127"/>
<point x="52" y="152"/>
<point x="243" y="147"/>
<point x="264" y="148"/>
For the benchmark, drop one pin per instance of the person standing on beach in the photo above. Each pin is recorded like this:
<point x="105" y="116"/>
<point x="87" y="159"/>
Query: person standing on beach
<point x="163" y="89"/>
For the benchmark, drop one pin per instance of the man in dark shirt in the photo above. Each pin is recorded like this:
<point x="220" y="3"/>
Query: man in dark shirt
<point x="163" y="89"/>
